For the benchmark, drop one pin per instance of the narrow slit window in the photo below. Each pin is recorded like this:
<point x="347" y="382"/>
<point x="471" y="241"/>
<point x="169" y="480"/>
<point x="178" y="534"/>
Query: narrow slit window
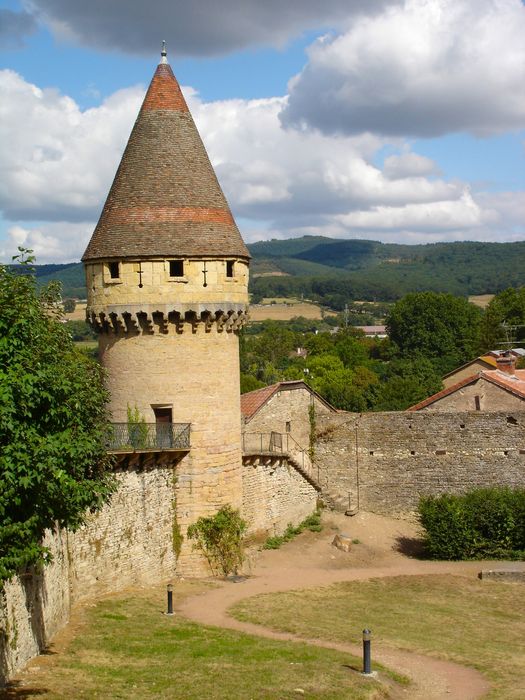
<point x="229" y="268"/>
<point x="477" y="403"/>
<point x="114" y="270"/>
<point x="288" y="426"/>
<point x="176" y="268"/>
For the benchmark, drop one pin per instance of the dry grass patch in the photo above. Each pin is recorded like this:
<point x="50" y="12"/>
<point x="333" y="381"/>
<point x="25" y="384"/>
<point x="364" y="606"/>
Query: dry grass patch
<point x="126" y="648"/>
<point x="79" y="314"/>
<point x="283" y="309"/>
<point x="482" y="300"/>
<point x="476" y="623"/>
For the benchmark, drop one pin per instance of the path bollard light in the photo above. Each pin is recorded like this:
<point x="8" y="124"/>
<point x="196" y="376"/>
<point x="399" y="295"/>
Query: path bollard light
<point x="170" y="599"/>
<point x="367" y="657"/>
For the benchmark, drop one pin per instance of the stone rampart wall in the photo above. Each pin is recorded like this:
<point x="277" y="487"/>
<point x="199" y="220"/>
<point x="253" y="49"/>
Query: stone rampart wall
<point x="382" y="462"/>
<point x="274" y="494"/>
<point x="129" y="542"/>
<point x="385" y="461"/>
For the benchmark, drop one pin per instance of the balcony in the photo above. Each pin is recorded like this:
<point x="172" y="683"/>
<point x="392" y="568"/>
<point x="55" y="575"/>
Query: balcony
<point x="149" y="437"/>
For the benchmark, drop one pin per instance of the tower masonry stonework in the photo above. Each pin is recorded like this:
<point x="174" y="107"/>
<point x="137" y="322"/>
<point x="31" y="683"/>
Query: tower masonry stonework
<point x="167" y="279"/>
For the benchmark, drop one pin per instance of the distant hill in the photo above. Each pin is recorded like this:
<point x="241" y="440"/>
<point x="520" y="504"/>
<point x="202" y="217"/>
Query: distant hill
<point x="334" y="272"/>
<point x="345" y="270"/>
<point x="71" y="276"/>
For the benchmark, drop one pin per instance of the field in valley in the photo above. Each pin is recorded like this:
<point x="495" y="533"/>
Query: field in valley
<point x="282" y="309"/>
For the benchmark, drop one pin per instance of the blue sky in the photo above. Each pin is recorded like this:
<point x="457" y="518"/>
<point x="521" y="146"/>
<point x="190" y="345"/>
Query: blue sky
<point x="398" y="120"/>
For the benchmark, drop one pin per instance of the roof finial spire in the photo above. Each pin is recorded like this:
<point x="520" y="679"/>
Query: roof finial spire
<point x="163" y="53"/>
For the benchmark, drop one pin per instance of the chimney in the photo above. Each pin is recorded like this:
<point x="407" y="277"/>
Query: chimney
<point x="506" y="363"/>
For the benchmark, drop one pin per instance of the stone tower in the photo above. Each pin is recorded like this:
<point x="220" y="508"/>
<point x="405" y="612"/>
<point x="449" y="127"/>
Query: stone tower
<point x="167" y="279"/>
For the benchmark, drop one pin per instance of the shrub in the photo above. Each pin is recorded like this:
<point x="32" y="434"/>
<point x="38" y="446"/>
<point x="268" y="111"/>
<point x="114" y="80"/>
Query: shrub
<point x="479" y="524"/>
<point x="220" y="538"/>
<point x="312" y="523"/>
<point x="69" y="305"/>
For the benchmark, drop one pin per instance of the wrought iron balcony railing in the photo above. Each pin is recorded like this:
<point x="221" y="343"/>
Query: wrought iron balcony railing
<point x="134" y="437"/>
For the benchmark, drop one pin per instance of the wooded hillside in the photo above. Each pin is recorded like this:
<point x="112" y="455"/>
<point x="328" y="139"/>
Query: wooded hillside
<point x="334" y="272"/>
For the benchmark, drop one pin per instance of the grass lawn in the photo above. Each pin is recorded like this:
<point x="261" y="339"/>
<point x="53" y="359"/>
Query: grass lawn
<point x="126" y="648"/>
<point x="476" y="623"/>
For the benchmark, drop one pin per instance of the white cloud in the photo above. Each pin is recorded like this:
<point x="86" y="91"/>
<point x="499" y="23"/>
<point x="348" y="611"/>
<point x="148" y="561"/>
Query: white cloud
<point x="427" y="68"/>
<point x="58" y="242"/>
<point x="409" y="165"/>
<point x="272" y="173"/>
<point x="61" y="160"/>
<point x="199" y="27"/>
<point x="441" y="216"/>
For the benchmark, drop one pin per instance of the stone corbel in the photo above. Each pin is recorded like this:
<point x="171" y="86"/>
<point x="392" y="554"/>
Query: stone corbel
<point x="207" y="318"/>
<point x="145" y="322"/>
<point x="220" y="319"/>
<point x="130" y="323"/>
<point x="116" y="323"/>
<point x="192" y="318"/>
<point x="229" y="321"/>
<point x="177" y="320"/>
<point x="161" y="320"/>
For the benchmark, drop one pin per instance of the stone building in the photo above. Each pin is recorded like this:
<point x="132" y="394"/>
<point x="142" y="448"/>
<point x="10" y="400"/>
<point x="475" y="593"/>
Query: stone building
<point x="501" y="389"/>
<point x="484" y="362"/>
<point x="167" y="278"/>
<point x="289" y="409"/>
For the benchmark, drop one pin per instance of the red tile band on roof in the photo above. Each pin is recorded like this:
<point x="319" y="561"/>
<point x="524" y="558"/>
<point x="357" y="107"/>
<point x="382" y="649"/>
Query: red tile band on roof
<point x="122" y="215"/>
<point x="164" y="91"/>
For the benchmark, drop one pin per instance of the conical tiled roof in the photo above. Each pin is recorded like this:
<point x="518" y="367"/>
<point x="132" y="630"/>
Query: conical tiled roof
<point x="165" y="199"/>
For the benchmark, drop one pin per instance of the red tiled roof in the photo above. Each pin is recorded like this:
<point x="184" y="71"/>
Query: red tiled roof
<point x="513" y="383"/>
<point x="165" y="199"/>
<point x="252" y="401"/>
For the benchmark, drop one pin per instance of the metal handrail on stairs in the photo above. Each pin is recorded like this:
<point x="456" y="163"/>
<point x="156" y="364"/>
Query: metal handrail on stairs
<point x="274" y="442"/>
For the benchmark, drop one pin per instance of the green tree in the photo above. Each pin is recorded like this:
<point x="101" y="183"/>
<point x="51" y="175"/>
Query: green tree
<point x="339" y="388"/>
<point x="405" y="383"/>
<point x="69" y="306"/>
<point x="442" y="327"/>
<point x="504" y="319"/>
<point x="53" y="423"/>
<point x="352" y="349"/>
<point x="249" y="383"/>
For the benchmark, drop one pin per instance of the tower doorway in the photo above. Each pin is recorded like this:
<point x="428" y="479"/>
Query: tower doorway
<point x="163" y="426"/>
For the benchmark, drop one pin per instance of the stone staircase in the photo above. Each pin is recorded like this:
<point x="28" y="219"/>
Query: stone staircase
<point x="335" y="501"/>
<point x="298" y="458"/>
<point x="296" y="464"/>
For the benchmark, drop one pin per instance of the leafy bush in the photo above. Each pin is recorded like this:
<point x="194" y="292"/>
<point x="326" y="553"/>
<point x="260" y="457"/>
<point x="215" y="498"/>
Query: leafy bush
<point x="484" y="523"/>
<point x="54" y="466"/>
<point x="312" y="523"/>
<point x="80" y="330"/>
<point x="220" y="538"/>
<point x="69" y="305"/>
<point x="137" y="428"/>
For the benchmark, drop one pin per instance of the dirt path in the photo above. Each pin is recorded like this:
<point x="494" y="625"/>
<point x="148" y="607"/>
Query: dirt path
<point x="310" y="561"/>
